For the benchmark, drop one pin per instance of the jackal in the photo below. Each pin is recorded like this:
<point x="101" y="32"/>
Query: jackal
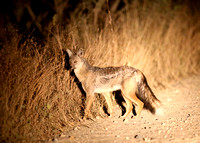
<point x="130" y="81"/>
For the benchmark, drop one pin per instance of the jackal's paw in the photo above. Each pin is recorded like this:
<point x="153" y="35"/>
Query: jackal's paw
<point x="111" y="116"/>
<point x="120" y="117"/>
<point x="124" y="119"/>
<point x="134" y="117"/>
<point x="84" y="118"/>
<point x="88" y="118"/>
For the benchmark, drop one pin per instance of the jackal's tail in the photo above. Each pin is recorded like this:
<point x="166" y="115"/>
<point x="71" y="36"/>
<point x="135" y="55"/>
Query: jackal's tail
<point x="151" y="102"/>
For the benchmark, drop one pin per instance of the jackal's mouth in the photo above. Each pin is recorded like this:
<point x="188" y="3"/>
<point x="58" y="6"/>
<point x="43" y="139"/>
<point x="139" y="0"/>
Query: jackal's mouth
<point x="72" y="66"/>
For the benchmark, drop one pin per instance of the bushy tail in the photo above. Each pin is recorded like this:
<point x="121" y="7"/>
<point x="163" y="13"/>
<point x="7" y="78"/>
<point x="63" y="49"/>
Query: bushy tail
<point x="151" y="102"/>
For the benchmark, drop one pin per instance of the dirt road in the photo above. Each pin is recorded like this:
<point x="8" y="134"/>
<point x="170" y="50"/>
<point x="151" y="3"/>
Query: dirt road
<point x="180" y="123"/>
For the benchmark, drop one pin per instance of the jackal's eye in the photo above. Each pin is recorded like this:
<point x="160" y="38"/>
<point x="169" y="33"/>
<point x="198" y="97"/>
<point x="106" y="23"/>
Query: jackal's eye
<point x="75" y="62"/>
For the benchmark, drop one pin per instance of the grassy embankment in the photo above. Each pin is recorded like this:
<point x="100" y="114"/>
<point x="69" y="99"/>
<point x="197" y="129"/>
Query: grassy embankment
<point x="39" y="98"/>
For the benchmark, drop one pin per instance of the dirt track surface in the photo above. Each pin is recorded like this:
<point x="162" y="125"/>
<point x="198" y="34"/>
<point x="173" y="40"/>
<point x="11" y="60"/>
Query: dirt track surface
<point x="180" y="123"/>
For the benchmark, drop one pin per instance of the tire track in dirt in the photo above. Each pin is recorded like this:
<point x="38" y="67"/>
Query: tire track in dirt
<point x="180" y="123"/>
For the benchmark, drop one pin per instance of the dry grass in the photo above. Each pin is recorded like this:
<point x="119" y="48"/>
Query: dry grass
<point x="39" y="99"/>
<point x="37" y="95"/>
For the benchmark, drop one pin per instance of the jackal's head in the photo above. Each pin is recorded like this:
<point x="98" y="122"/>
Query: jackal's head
<point x="76" y="61"/>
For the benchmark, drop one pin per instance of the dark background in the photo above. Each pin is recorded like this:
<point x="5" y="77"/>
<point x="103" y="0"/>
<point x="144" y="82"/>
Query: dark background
<point x="37" y="14"/>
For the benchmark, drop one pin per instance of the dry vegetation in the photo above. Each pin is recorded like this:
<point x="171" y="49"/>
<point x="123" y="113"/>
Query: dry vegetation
<point x="39" y="99"/>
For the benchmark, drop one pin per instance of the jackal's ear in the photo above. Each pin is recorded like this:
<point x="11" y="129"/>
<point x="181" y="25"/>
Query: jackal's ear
<point x="80" y="52"/>
<point x="69" y="53"/>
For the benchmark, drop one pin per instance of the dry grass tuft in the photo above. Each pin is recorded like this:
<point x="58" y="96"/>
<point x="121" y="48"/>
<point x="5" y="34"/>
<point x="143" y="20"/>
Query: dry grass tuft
<point x="38" y="96"/>
<point x="39" y="99"/>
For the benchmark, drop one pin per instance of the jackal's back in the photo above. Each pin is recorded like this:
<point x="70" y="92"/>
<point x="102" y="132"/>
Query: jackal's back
<point x="111" y="78"/>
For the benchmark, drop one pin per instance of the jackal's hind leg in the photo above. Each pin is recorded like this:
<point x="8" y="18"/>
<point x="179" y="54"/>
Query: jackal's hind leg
<point x="139" y="103"/>
<point x="129" y="89"/>
<point x="107" y="96"/>
<point x="129" y="107"/>
<point x="89" y="100"/>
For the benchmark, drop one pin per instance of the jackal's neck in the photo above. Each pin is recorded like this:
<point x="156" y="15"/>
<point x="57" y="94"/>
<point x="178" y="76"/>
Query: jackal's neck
<point x="82" y="71"/>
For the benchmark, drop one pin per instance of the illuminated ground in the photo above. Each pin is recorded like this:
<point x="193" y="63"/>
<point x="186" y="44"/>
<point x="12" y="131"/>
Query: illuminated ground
<point x="179" y="124"/>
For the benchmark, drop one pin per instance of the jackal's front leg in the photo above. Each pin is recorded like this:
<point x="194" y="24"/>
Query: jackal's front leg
<point x="107" y="96"/>
<point x="89" y="100"/>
